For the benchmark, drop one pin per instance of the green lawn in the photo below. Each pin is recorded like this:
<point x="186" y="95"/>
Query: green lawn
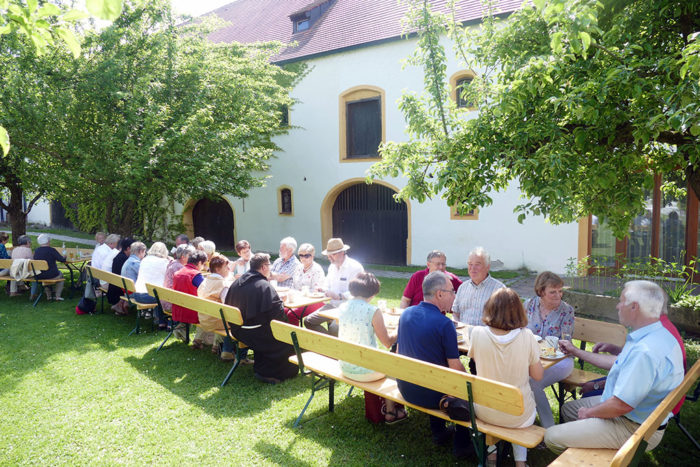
<point x="79" y="390"/>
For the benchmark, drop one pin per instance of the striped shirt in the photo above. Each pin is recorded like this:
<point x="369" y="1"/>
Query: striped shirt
<point x="288" y="267"/>
<point x="471" y="298"/>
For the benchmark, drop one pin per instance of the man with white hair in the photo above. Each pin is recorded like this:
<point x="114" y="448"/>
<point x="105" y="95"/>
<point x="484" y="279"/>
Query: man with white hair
<point x="50" y="255"/>
<point x="285" y="266"/>
<point x="105" y="253"/>
<point x="649" y="367"/>
<point x="473" y="294"/>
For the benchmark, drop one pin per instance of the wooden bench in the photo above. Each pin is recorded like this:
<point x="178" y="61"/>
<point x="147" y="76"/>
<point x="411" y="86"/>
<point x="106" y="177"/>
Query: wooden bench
<point x="320" y="357"/>
<point x="228" y="314"/>
<point x="633" y="450"/>
<point x="589" y="330"/>
<point x="36" y="266"/>
<point x="127" y="285"/>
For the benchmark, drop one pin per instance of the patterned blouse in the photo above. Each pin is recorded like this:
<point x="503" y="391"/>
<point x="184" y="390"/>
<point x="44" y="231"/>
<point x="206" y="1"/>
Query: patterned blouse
<point x="313" y="277"/>
<point x="355" y="325"/>
<point x="557" y="322"/>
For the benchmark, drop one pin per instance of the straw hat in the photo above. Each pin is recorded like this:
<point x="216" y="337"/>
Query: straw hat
<point x="335" y="245"/>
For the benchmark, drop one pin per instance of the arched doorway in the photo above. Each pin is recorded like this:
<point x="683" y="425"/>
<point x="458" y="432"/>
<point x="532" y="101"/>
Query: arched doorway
<point x="213" y="220"/>
<point x="369" y="219"/>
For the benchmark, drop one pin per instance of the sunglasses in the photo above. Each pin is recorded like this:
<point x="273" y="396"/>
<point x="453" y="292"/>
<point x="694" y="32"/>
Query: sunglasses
<point x="307" y="255"/>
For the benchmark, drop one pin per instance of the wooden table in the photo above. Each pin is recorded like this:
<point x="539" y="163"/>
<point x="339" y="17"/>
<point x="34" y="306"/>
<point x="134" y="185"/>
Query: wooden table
<point x="295" y="299"/>
<point x="463" y="346"/>
<point x="76" y="264"/>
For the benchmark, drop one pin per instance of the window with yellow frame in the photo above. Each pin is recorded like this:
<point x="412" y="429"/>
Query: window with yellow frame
<point x="285" y="203"/>
<point x="362" y="123"/>
<point x="458" y="82"/>
<point x="472" y="215"/>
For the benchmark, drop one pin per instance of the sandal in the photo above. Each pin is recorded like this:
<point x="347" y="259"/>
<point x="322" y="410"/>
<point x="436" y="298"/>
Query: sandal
<point x="397" y="415"/>
<point x="197" y="344"/>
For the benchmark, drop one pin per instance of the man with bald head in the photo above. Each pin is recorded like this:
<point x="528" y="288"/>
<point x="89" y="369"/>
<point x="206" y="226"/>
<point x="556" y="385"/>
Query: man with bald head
<point x="473" y="294"/>
<point x="413" y="293"/>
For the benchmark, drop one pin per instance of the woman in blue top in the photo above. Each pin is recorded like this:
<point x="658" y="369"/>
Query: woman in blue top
<point x="3" y="252"/>
<point x="361" y="323"/>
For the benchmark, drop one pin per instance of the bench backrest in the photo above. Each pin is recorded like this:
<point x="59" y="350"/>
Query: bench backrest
<point x="200" y="305"/>
<point x="114" y="279"/>
<point x="626" y="453"/>
<point x="592" y="330"/>
<point x="493" y="394"/>
<point x="37" y="264"/>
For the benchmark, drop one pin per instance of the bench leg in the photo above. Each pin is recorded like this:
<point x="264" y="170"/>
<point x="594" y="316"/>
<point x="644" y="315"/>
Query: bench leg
<point x="170" y="333"/>
<point x="317" y="383"/>
<point x="685" y="431"/>
<point x="137" y="329"/>
<point x="240" y="355"/>
<point x="39" y="294"/>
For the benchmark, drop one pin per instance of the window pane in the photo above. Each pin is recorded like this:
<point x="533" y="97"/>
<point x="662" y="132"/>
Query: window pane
<point x="286" y="201"/>
<point x="462" y="100"/>
<point x="639" y="240"/>
<point x="672" y="240"/>
<point x="364" y="128"/>
<point x="602" y="244"/>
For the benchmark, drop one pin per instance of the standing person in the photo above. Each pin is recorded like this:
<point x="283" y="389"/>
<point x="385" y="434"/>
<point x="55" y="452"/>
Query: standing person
<point x="427" y="335"/>
<point x="113" y="292"/>
<point x="473" y="294"/>
<point x="549" y="315"/>
<point x="649" y="367"/>
<point x="341" y="271"/>
<point x="413" y="293"/>
<point x="187" y="280"/>
<point x="259" y="303"/>
<point x="242" y="264"/>
<point x="22" y="250"/>
<point x="506" y="351"/>
<point x="286" y="265"/>
<point x="308" y="276"/>
<point x="50" y="255"/>
<point x="362" y="323"/>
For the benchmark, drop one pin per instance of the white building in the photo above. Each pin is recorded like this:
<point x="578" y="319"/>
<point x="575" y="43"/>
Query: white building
<point x="317" y="187"/>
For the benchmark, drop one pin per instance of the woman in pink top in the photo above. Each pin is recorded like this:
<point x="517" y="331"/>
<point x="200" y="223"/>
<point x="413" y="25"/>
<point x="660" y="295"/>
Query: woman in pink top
<point x="505" y="350"/>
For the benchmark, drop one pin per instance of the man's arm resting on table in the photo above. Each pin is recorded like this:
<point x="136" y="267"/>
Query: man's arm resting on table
<point x="611" y="408"/>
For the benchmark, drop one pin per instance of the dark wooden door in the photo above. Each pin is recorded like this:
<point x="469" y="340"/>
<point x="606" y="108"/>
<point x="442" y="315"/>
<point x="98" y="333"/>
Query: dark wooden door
<point x="213" y="220"/>
<point x="59" y="217"/>
<point x="374" y="225"/>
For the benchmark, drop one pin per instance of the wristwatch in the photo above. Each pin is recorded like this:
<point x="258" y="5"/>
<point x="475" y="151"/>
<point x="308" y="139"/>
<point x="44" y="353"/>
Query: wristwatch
<point x="596" y="385"/>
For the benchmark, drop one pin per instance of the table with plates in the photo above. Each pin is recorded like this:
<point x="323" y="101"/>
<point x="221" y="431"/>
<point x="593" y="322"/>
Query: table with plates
<point x="294" y="299"/>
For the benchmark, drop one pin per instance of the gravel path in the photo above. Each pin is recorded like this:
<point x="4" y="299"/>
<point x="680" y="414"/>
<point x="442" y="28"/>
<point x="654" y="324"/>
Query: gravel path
<point x="66" y="238"/>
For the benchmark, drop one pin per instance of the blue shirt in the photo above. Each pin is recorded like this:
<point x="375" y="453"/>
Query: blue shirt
<point x="131" y="267"/>
<point x="649" y="367"/>
<point x="3" y="252"/>
<point x="425" y="334"/>
<point x="288" y="267"/>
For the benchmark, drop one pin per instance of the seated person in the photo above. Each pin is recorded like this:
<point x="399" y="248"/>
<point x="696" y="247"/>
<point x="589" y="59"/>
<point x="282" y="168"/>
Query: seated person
<point x="113" y="292"/>
<point x="426" y="334"/>
<point x="132" y="264"/>
<point x="285" y="266"/>
<point x="181" y="239"/>
<point x="104" y="254"/>
<point x="152" y="271"/>
<point x="215" y="287"/>
<point x="187" y="280"/>
<point x="182" y="253"/>
<point x="259" y="303"/>
<point x="50" y="255"/>
<point x="359" y="322"/>
<point x="473" y="294"/>
<point x="413" y="293"/>
<point x="3" y="252"/>
<point x="506" y="351"/>
<point x="308" y="277"/>
<point x="648" y="368"/>
<point x="209" y="248"/>
<point x="22" y="250"/>
<point x="548" y="315"/>
<point x="242" y="264"/>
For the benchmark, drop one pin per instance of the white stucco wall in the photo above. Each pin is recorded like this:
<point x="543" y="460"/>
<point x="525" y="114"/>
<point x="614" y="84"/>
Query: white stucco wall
<point x="310" y="165"/>
<point x="40" y="213"/>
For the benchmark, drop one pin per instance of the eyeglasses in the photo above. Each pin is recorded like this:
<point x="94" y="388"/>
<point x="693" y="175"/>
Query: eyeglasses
<point x="448" y="290"/>
<point x="307" y="255"/>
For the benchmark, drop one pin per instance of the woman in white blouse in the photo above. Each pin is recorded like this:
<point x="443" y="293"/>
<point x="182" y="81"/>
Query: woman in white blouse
<point x="310" y="276"/>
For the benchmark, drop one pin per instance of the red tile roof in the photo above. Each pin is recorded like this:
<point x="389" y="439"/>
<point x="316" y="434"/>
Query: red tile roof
<point x="347" y="24"/>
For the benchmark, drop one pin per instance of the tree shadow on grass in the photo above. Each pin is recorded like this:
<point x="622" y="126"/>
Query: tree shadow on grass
<point x="195" y="376"/>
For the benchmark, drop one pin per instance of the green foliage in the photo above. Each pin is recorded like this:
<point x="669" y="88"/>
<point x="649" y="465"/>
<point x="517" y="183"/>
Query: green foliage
<point x="580" y="103"/>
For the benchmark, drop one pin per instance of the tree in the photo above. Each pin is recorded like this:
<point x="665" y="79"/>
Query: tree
<point x="32" y="41"/>
<point x="580" y="103"/>
<point x="161" y="114"/>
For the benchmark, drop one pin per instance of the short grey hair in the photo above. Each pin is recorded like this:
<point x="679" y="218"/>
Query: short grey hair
<point x="434" y="282"/>
<point x="307" y="247"/>
<point x="158" y="249"/>
<point x="112" y="239"/>
<point x="290" y="242"/>
<point x="436" y="254"/>
<point x="24" y="240"/>
<point x="481" y="253"/>
<point x="183" y="238"/>
<point x="138" y="247"/>
<point x="184" y="250"/>
<point x="648" y="295"/>
<point x="208" y="246"/>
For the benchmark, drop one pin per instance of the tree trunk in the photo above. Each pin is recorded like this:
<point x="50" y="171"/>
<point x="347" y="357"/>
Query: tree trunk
<point x="693" y="176"/>
<point x="120" y="218"/>
<point x="18" y="218"/>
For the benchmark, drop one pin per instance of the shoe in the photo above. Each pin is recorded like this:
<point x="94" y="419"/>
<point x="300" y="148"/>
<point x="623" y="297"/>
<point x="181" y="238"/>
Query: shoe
<point x="247" y="361"/>
<point x="268" y="380"/>
<point x="59" y="299"/>
<point x="396" y="416"/>
<point x="147" y="315"/>
<point x="197" y="344"/>
<point x="180" y="333"/>
<point x="227" y="356"/>
<point x="443" y="438"/>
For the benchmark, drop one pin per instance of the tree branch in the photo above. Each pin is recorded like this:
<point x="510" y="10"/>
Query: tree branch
<point x="34" y="200"/>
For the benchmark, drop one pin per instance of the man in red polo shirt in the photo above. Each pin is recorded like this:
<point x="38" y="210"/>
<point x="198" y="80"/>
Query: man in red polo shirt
<point x="413" y="294"/>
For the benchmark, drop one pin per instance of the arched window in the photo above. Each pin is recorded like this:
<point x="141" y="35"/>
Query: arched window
<point x="459" y="82"/>
<point x="362" y="123"/>
<point x="284" y="201"/>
